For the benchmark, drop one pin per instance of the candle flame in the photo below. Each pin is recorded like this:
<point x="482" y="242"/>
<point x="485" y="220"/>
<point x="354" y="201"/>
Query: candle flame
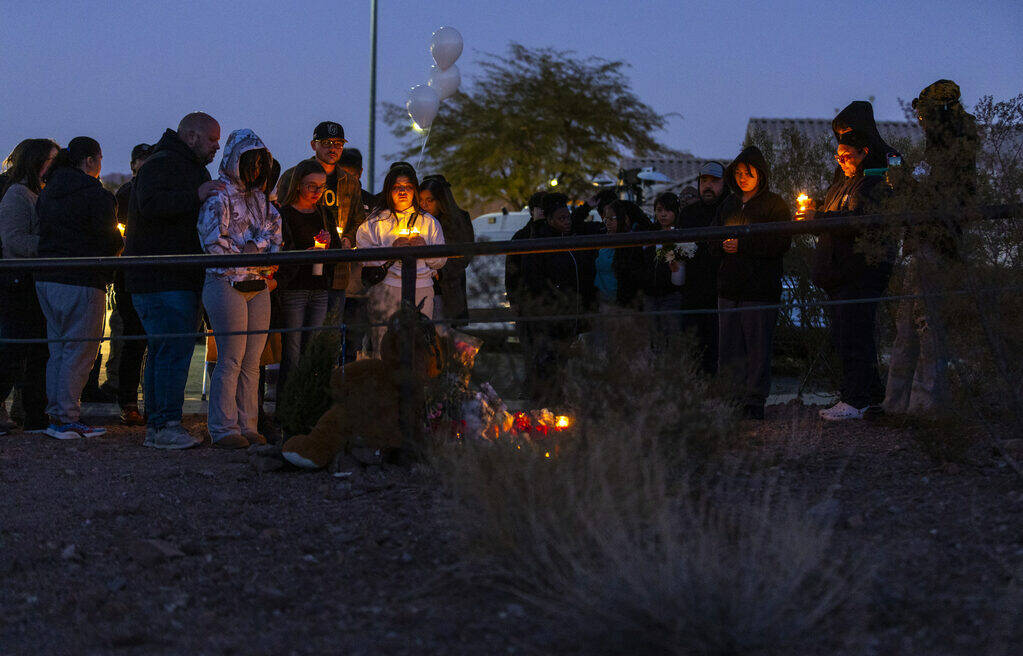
<point x="562" y="422"/>
<point x="120" y="228"/>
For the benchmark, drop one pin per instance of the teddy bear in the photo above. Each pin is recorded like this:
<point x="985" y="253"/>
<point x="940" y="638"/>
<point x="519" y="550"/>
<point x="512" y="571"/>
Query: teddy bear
<point x="365" y="406"/>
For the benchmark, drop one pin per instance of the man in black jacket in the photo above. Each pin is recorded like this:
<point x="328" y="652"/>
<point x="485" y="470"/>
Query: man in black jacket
<point x="162" y="216"/>
<point x="750" y="275"/>
<point x="845" y="271"/>
<point x="699" y="292"/>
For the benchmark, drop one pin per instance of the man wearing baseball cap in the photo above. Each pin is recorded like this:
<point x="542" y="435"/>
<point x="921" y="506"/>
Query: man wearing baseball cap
<point x="700" y="289"/>
<point x="343" y="196"/>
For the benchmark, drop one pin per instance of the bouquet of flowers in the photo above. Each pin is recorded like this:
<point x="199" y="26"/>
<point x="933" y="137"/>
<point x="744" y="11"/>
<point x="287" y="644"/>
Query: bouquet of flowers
<point x="670" y="253"/>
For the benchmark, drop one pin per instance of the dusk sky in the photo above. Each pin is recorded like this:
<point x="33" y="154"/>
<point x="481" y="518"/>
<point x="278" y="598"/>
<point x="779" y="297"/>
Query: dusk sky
<point x="122" y="72"/>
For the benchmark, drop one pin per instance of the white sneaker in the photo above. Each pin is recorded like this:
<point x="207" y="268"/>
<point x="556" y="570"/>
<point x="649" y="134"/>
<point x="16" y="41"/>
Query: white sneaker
<point x="172" y="436"/>
<point x="842" y="411"/>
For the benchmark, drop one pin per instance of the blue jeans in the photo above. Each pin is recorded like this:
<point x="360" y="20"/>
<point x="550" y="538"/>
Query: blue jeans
<point x="299" y="308"/>
<point x="168" y="359"/>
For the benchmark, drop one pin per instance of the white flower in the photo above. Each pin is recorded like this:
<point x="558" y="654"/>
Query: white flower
<point x="686" y="249"/>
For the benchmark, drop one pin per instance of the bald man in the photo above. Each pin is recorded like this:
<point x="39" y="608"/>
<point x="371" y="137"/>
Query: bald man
<point x="162" y="215"/>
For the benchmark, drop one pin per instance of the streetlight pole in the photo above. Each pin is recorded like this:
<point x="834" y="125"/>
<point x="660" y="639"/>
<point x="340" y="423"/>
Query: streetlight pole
<point x="372" y="94"/>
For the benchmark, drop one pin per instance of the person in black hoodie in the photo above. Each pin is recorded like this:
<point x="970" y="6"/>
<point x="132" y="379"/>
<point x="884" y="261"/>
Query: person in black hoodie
<point x="558" y="283"/>
<point x="858" y="116"/>
<point x="844" y="271"/>
<point x="750" y="275"/>
<point x="163" y="213"/>
<point x="699" y="292"/>
<point x="76" y="219"/>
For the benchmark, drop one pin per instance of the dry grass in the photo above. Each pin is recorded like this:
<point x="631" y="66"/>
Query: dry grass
<point x="630" y="543"/>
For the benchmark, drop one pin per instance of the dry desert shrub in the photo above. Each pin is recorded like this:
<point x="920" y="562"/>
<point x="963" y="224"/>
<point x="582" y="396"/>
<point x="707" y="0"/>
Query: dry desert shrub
<point x="632" y="543"/>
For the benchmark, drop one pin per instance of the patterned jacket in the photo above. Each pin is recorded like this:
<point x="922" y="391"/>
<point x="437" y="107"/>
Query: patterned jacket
<point x="235" y="216"/>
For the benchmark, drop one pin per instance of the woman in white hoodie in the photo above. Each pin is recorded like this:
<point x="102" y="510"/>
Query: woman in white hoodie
<point x="399" y="221"/>
<point x="239" y="219"/>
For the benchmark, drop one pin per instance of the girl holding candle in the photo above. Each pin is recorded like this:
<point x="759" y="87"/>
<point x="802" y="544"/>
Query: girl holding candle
<point x="303" y="290"/>
<point x="399" y="221"/>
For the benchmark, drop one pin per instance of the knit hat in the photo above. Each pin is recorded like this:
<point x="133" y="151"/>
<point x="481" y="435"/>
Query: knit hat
<point x="941" y="93"/>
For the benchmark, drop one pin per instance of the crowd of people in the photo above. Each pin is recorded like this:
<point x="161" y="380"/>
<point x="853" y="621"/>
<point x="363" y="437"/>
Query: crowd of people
<point x="739" y="277"/>
<point x="53" y="205"/>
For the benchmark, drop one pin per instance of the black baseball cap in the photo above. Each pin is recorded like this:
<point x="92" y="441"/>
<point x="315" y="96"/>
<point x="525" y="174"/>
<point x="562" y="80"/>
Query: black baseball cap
<point x="329" y="130"/>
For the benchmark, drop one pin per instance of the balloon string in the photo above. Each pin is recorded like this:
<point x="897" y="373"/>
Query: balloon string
<point x="422" y="150"/>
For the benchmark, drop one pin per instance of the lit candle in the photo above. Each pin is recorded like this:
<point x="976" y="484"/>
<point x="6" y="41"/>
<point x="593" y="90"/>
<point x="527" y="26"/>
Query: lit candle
<point x="802" y="201"/>
<point x="120" y="228"/>
<point x="320" y="241"/>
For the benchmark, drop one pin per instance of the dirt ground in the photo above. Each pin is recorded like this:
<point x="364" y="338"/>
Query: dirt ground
<point x="110" y="548"/>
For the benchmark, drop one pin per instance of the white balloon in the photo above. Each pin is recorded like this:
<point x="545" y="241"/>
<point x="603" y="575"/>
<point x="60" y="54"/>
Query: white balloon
<point x="446" y="47"/>
<point x="446" y="82"/>
<point x="423" y="103"/>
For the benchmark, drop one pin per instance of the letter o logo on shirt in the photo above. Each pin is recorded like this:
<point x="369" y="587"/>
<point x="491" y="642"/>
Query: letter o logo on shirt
<point x="329" y="198"/>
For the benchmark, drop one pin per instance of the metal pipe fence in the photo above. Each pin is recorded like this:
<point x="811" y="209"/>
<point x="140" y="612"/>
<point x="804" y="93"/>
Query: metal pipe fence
<point x="409" y="255"/>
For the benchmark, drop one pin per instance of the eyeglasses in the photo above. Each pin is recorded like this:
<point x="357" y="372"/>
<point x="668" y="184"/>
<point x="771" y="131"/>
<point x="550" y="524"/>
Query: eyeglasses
<point x="408" y="189"/>
<point x="332" y="143"/>
<point x="842" y="159"/>
<point x="313" y="188"/>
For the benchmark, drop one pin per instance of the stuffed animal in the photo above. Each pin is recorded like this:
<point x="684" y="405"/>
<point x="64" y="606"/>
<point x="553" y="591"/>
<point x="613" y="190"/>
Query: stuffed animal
<point x="365" y="399"/>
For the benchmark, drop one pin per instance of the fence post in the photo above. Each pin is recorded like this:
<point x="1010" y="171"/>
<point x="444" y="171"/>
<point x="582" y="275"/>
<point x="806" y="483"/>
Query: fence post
<point x="407" y="318"/>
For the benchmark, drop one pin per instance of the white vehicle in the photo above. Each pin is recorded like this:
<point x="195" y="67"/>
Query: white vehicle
<point x="498" y="226"/>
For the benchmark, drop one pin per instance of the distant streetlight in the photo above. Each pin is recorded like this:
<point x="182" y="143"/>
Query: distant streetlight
<point x="372" y="94"/>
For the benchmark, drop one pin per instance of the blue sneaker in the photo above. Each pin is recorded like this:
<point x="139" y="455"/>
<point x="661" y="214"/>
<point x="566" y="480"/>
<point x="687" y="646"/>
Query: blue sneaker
<point x="88" y="431"/>
<point x="63" y="432"/>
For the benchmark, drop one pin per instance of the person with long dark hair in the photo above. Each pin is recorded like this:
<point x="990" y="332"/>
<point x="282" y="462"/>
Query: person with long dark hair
<point x="450" y="297"/>
<point x="398" y="221"/>
<point x="303" y="290"/>
<point x="239" y="219"/>
<point x="619" y="276"/>
<point x="20" y="314"/>
<point x="664" y="275"/>
<point x="77" y="218"/>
